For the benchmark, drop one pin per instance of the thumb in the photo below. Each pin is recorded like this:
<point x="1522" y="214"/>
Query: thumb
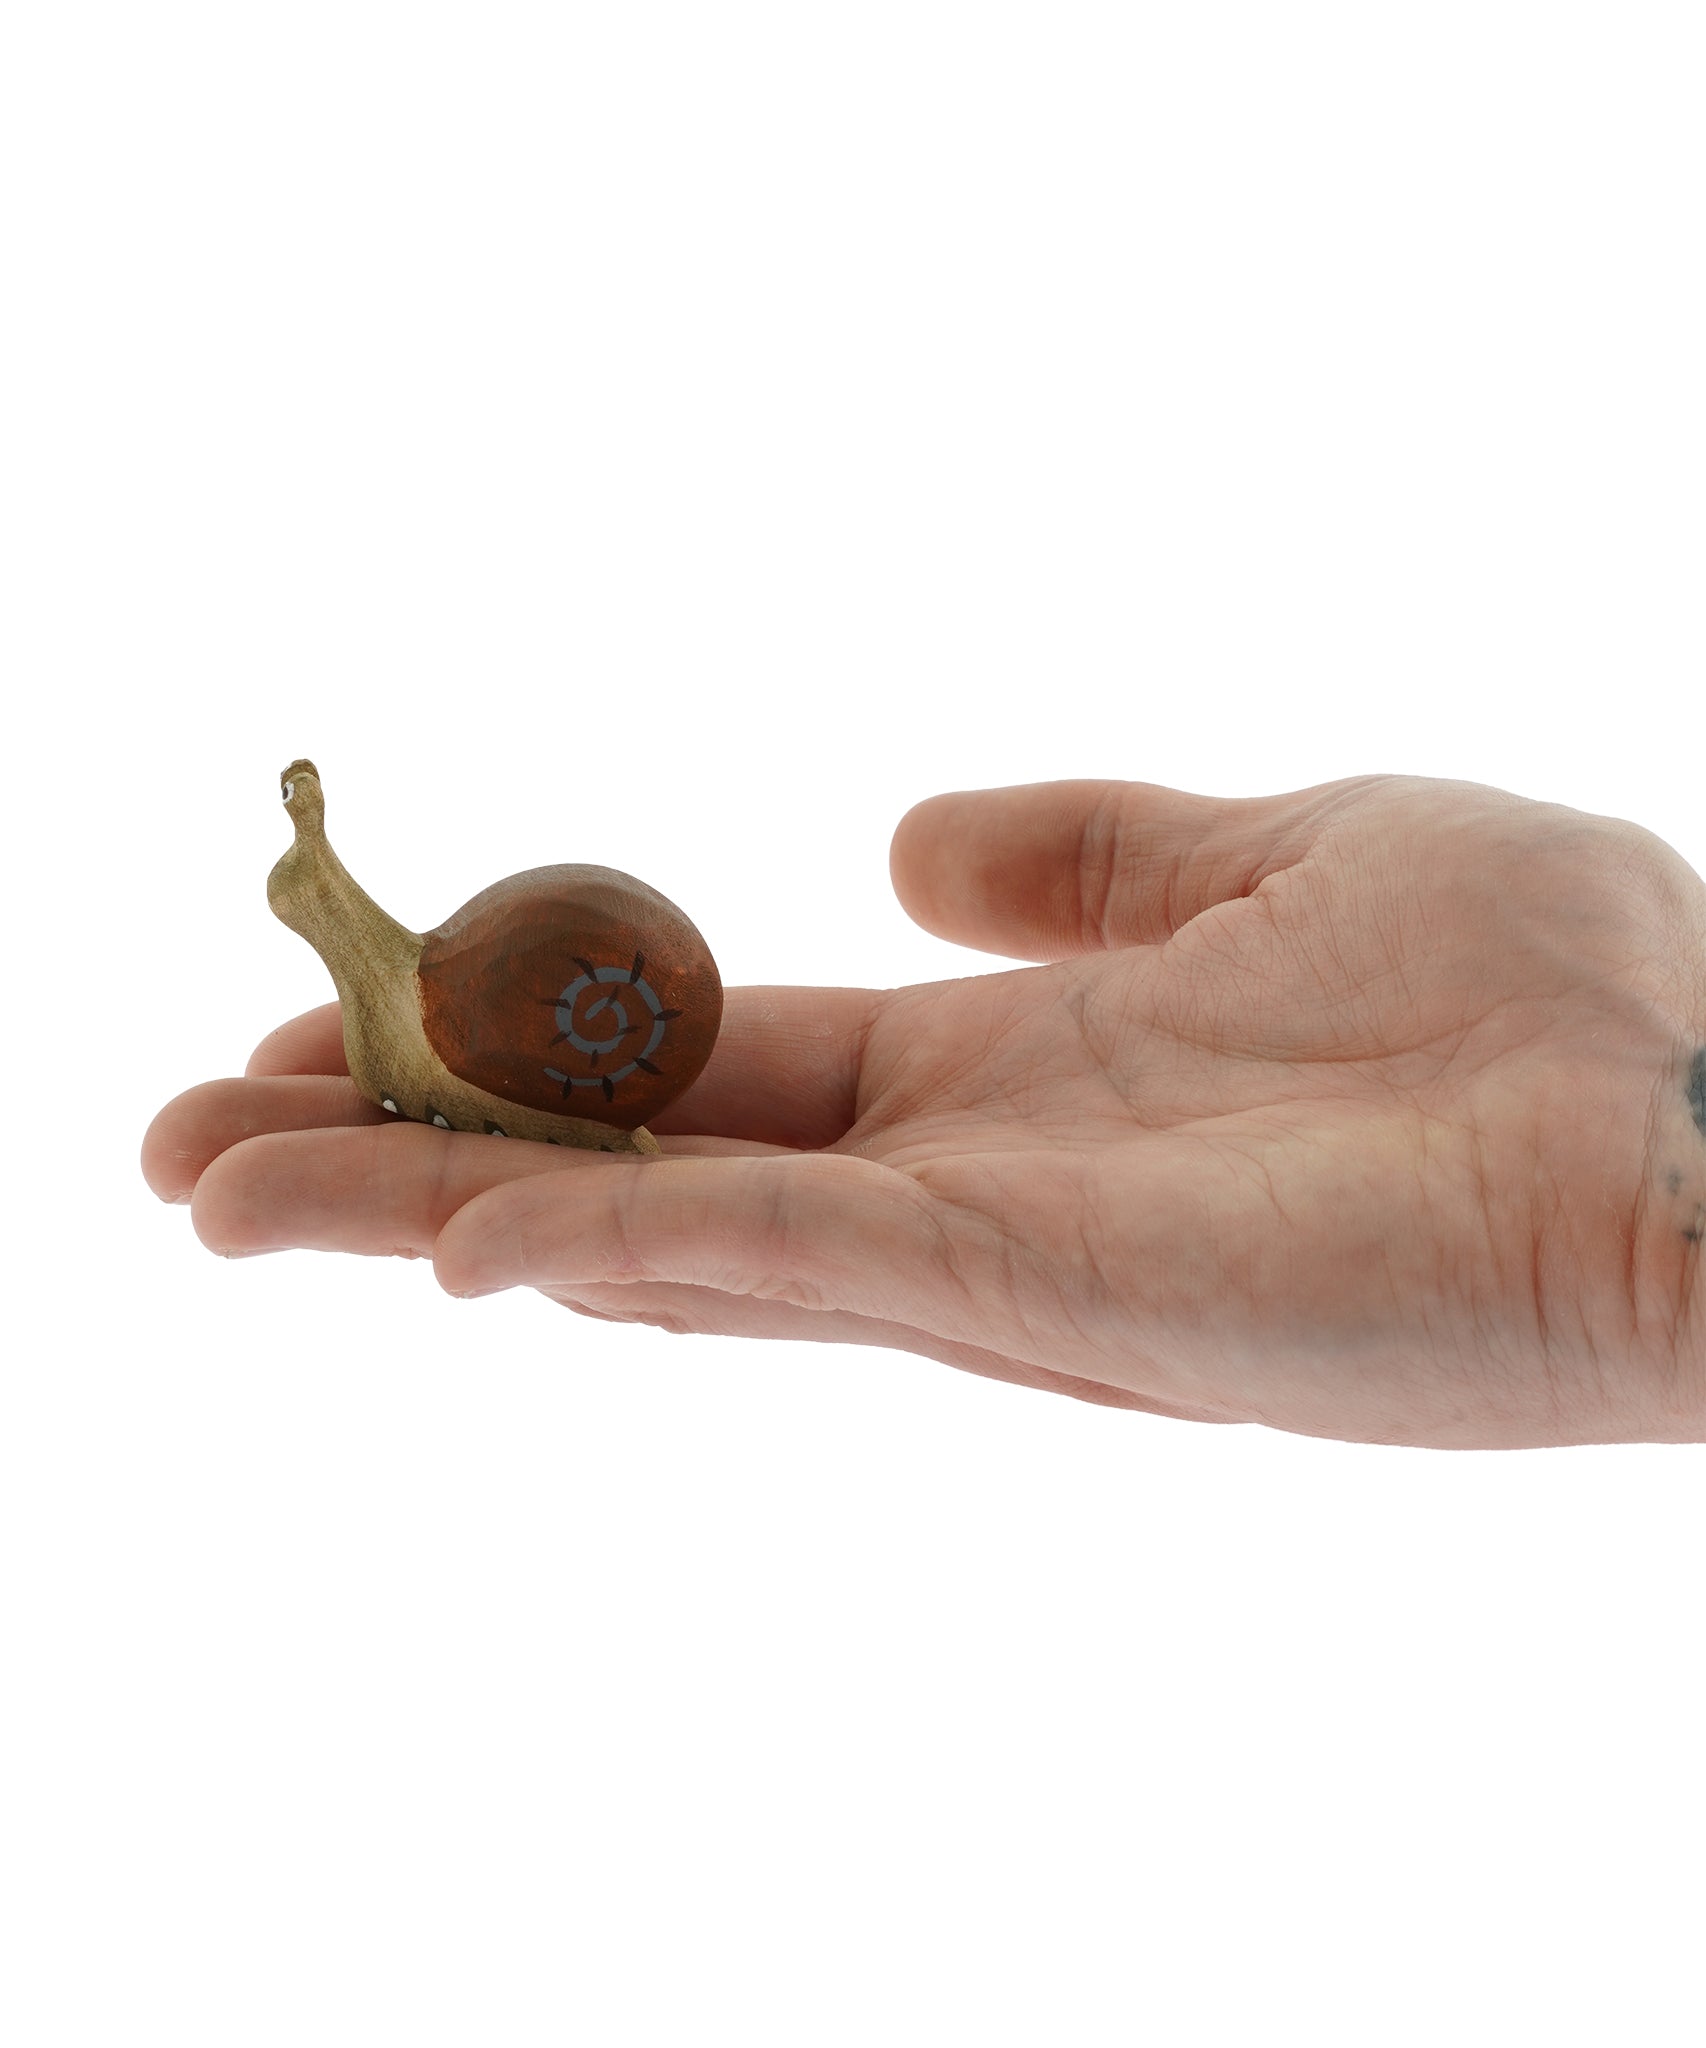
<point x="1045" y="870"/>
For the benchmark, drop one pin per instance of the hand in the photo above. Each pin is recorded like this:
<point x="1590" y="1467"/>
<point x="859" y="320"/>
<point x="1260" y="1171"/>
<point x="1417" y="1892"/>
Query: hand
<point x="1375" y="1110"/>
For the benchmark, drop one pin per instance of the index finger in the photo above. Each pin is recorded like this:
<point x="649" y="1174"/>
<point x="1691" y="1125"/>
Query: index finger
<point x="784" y="1069"/>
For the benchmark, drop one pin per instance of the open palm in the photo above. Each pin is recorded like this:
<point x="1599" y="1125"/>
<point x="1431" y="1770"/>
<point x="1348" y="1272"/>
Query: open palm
<point x="1375" y="1110"/>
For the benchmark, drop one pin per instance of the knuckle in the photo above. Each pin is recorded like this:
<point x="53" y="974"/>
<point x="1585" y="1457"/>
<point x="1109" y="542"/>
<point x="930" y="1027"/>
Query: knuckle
<point x="1106" y="866"/>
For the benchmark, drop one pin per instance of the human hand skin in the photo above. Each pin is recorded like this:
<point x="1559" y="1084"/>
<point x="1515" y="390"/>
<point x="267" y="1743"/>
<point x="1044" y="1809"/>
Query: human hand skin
<point x="1375" y="1110"/>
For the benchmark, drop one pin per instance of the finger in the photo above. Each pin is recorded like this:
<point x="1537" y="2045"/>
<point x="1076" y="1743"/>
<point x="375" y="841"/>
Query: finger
<point x="196" y="1127"/>
<point x="819" y="1230"/>
<point x="388" y="1189"/>
<point x="706" y="1311"/>
<point x="784" y="1070"/>
<point x="310" y="1044"/>
<point x="1047" y="870"/>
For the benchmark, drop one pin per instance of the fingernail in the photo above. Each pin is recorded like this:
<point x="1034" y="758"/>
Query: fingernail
<point x="474" y="1293"/>
<point x="259" y="1252"/>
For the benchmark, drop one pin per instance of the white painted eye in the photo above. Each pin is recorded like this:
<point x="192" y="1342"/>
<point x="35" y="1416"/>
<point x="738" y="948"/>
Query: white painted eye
<point x="289" y="791"/>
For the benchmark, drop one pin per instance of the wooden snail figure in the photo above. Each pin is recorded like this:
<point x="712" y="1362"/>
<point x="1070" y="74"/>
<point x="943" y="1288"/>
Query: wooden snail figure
<point x="566" y="1004"/>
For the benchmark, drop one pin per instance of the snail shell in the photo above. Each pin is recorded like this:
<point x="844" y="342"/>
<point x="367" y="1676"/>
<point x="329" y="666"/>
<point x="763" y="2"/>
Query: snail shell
<point x="576" y="989"/>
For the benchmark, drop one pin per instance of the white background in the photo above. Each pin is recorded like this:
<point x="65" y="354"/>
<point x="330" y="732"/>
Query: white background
<point x="681" y="438"/>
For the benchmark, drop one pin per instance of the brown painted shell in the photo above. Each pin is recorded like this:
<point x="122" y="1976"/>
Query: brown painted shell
<point x="575" y="989"/>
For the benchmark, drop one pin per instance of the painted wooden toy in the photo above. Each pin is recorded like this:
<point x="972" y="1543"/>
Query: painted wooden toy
<point x="566" y="1004"/>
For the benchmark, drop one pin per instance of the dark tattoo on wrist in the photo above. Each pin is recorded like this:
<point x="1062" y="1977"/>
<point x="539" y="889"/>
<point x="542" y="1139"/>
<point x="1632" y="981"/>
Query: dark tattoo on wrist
<point x="1694" y="1093"/>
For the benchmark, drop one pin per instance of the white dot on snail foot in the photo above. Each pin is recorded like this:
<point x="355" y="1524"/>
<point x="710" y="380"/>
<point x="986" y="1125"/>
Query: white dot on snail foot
<point x="443" y="1122"/>
<point x="496" y="1132"/>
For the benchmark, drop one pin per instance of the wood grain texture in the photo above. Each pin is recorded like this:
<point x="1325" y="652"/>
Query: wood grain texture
<point x="394" y="1052"/>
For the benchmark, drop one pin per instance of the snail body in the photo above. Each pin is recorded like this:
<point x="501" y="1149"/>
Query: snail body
<point x="565" y="1004"/>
